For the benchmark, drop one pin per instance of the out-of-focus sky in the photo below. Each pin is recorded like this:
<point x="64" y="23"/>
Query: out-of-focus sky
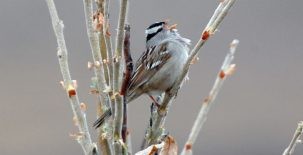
<point x="256" y="112"/>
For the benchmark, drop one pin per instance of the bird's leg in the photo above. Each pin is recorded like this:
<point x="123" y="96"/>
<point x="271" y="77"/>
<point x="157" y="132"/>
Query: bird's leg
<point x="156" y="103"/>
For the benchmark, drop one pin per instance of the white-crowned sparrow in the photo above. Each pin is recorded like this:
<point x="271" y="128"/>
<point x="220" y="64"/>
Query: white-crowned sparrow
<point x="161" y="64"/>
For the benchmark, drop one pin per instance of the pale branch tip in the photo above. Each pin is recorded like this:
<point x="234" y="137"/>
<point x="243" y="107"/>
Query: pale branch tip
<point x="208" y="102"/>
<point x="298" y="133"/>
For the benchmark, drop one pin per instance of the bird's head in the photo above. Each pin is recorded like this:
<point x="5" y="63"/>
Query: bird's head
<point x="159" y="31"/>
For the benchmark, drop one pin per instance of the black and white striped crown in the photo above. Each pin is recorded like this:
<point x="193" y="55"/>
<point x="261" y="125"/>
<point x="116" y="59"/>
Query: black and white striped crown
<point x="153" y="29"/>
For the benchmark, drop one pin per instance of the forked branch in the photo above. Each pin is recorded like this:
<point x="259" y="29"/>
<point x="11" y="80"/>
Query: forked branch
<point x="209" y="30"/>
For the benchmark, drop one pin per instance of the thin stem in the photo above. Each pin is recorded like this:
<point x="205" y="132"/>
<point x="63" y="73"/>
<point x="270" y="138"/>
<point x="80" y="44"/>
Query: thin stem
<point x="94" y="44"/>
<point x="107" y="37"/>
<point x="101" y="84"/>
<point x="128" y="62"/>
<point x="298" y="133"/>
<point x="209" y="30"/>
<point x="83" y="137"/>
<point x="117" y="78"/>
<point x="103" y="34"/>
<point x="226" y="69"/>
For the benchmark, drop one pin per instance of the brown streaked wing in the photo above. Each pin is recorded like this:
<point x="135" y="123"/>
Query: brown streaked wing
<point x="148" y="64"/>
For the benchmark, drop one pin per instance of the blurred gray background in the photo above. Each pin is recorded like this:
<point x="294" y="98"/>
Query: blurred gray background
<point x="256" y="113"/>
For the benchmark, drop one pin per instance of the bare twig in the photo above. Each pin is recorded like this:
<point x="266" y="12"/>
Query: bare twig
<point x="209" y="30"/>
<point x="128" y="61"/>
<point x="101" y="23"/>
<point x="126" y="77"/>
<point x="108" y="43"/>
<point x="117" y="78"/>
<point x="93" y="39"/>
<point x="298" y="133"/>
<point x="102" y="87"/>
<point x="107" y="38"/>
<point x="83" y="137"/>
<point x="226" y="69"/>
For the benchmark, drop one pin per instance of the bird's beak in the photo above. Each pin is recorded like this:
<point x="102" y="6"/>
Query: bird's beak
<point x="174" y="26"/>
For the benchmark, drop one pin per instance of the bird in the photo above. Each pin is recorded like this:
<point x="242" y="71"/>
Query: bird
<point x="158" y="67"/>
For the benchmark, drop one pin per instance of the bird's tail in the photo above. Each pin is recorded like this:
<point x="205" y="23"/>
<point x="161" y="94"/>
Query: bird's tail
<point x="102" y="118"/>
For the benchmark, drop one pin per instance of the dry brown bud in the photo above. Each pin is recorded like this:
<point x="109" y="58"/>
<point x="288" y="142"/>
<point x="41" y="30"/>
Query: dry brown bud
<point x="83" y="106"/>
<point x="222" y="74"/>
<point x="76" y="121"/>
<point x="188" y="146"/>
<point x="94" y="91"/>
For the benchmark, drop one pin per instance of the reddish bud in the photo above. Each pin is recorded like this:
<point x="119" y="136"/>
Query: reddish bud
<point x="206" y="100"/>
<point x="71" y="91"/>
<point x="222" y="74"/>
<point x="188" y="146"/>
<point x="205" y="35"/>
<point x="108" y="33"/>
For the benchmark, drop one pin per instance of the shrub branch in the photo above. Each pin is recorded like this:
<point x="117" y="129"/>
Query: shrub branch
<point x="298" y="133"/>
<point x="209" y="30"/>
<point x="83" y="137"/>
<point x="117" y="78"/>
<point x="100" y="82"/>
<point x="226" y="69"/>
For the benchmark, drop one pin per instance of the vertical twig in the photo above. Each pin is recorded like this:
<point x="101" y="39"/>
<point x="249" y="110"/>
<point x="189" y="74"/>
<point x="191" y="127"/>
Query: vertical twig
<point x="128" y="63"/>
<point x="102" y="21"/>
<point x="108" y="44"/>
<point x="102" y="87"/>
<point x="226" y="69"/>
<point x="117" y="78"/>
<point x="209" y="30"/>
<point x="295" y="139"/>
<point x="107" y="34"/>
<point x="83" y="137"/>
